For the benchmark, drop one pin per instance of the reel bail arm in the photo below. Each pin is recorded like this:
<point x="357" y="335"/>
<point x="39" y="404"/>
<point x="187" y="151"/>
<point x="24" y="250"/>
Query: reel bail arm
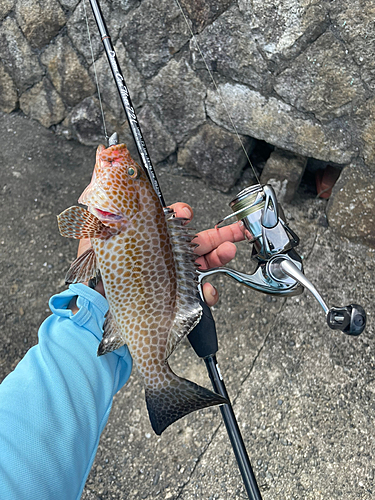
<point x="279" y="270"/>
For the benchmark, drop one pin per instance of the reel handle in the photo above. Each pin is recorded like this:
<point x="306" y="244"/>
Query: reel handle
<point x="349" y="319"/>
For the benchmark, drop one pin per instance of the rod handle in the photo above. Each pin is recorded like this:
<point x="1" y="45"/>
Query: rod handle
<point x="203" y="338"/>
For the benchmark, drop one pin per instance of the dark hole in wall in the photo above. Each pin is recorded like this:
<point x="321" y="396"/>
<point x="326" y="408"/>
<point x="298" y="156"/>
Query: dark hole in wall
<point x="315" y="169"/>
<point x="260" y="154"/>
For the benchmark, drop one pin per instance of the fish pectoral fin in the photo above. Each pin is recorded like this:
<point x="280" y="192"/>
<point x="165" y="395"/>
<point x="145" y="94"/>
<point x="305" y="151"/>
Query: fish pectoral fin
<point x="112" y="338"/>
<point x="77" y="222"/>
<point x="83" y="268"/>
<point x="177" y="398"/>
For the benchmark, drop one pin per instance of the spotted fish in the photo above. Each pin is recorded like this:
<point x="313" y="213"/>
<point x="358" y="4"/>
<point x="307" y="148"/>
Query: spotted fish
<point x="145" y="258"/>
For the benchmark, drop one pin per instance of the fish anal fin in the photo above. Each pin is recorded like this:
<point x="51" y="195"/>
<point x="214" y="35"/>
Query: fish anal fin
<point x="177" y="399"/>
<point x="112" y="338"/>
<point x="77" y="222"/>
<point x="83" y="268"/>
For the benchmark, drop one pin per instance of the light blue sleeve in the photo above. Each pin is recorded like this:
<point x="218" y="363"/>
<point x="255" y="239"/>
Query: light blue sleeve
<point x="55" y="404"/>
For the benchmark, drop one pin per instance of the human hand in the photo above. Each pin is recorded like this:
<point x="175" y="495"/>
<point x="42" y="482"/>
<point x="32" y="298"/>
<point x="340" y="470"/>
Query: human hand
<point x="216" y="248"/>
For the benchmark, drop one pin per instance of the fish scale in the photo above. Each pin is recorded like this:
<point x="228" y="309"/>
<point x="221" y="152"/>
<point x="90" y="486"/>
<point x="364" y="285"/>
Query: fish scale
<point x="145" y="257"/>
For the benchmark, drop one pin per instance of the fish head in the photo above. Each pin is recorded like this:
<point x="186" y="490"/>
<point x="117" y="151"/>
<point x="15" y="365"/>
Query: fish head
<point x="113" y="193"/>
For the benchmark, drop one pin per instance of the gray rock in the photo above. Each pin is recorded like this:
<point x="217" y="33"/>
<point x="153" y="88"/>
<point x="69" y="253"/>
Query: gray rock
<point x="19" y="60"/>
<point x="159" y="141"/>
<point x="313" y="83"/>
<point x="39" y="20"/>
<point x="43" y="103"/>
<point x="69" y="77"/>
<point x="153" y="33"/>
<point x="282" y="29"/>
<point x="365" y="121"/>
<point x="5" y="7"/>
<point x="77" y="31"/>
<point x="85" y="122"/>
<point x="278" y="123"/>
<point x="107" y="85"/>
<point x="236" y="57"/>
<point x="204" y="12"/>
<point x="353" y="24"/>
<point x="69" y="4"/>
<point x="284" y="171"/>
<point x="216" y="155"/>
<point x="351" y="208"/>
<point x="8" y="91"/>
<point x="178" y="96"/>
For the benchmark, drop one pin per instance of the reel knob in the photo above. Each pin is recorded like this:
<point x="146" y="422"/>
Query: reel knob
<point x="349" y="319"/>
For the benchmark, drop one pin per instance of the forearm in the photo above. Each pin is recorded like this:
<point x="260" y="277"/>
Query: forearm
<point x="55" y="404"/>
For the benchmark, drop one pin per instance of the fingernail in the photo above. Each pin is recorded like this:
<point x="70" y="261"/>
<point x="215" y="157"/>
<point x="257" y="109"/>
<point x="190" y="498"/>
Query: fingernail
<point x="187" y="213"/>
<point x="213" y="291"/>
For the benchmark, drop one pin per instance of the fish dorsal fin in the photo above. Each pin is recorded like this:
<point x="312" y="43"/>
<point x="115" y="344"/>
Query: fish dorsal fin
<point x="188" y="308"/>
<point x="112" y="338"/>
<point x="77" y="222"/>
<point x="83" y="268"/>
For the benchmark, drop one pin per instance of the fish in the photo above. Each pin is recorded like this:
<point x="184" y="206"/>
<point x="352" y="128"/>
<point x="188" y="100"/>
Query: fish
<point x="145" y="257"/>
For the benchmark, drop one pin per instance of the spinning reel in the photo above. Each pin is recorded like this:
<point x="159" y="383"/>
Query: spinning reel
<point x="279" y="267"/>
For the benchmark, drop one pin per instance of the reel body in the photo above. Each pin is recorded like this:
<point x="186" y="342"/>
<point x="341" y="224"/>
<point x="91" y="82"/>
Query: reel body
<point x="279" y="267"/>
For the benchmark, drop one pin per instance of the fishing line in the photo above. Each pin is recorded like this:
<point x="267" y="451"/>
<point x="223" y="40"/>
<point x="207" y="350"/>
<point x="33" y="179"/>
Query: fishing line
<point x="217" y="90"/>
<point x="95" y="73"/>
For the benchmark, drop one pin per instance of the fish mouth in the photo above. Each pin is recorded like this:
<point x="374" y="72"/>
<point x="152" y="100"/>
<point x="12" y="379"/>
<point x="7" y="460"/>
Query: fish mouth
<point x="105" y="216"/>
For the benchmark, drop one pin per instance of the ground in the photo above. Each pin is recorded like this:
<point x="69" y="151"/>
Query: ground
<point x="302" y="393"/>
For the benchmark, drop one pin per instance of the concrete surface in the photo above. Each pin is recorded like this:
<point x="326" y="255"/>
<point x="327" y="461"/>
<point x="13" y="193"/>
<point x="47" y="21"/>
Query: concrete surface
<point x="303" y="394"/>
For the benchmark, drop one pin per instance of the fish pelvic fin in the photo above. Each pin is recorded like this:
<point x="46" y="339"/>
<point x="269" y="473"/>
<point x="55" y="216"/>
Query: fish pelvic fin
<point x="177" y="398"/>
<point x="112" y="338"/>
<point x="83" y="268"/>
<point x="77" y="222"/>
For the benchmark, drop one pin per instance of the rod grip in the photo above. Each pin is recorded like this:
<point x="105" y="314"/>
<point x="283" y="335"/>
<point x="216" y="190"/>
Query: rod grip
<point x="203" y="338"/>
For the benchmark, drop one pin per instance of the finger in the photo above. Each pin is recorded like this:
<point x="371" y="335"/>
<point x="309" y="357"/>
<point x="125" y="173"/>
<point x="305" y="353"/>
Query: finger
<point x="211" y="238"/>
<point x="84" y="245"/>
<point x="223" y="254"/>
<point x="183" y="210"/>
<point x="210" y="294"/>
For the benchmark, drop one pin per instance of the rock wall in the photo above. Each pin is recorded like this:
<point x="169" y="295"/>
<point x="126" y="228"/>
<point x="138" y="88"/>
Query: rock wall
<point x="298" y="74"/>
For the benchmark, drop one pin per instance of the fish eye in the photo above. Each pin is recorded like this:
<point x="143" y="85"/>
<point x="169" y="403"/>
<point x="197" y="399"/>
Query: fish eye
<point x="134" y="173"/>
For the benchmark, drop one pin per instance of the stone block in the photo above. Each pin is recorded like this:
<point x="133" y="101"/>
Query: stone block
<point x="236" y="57"/>
<point x="153" y="33"/>
<point x="204" y="12"/>
<point x="85" y="122"/>
<point x="77" y="31"/>
<point x="312" y="82"/>
<point x="278" y="123"/>
<point x="19" y="60"/>
<point x="177" y="94"/>
<point x="216" y="155"/>
<point x="159" y="141"/>
<point x="69" y="77"/>
<point x="283" y="29"/>
<point x="40" y="20"/>
<point x="8" y="91"/>
<point x="107" y="86"/>
<point x="5" y="7"/>
<point x="284" y="171"/>
<point x="351" y="208"/>
<point x="43" y="103"/>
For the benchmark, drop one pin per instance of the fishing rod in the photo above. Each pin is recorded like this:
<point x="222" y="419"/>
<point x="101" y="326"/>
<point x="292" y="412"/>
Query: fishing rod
<point x="126" y="100"/>
<point x="204" y="337"/>
<point x="279" y="267"/>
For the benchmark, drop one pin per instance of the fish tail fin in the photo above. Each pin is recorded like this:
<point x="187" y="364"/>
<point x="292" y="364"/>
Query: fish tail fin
<point x="177" y="398"/>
